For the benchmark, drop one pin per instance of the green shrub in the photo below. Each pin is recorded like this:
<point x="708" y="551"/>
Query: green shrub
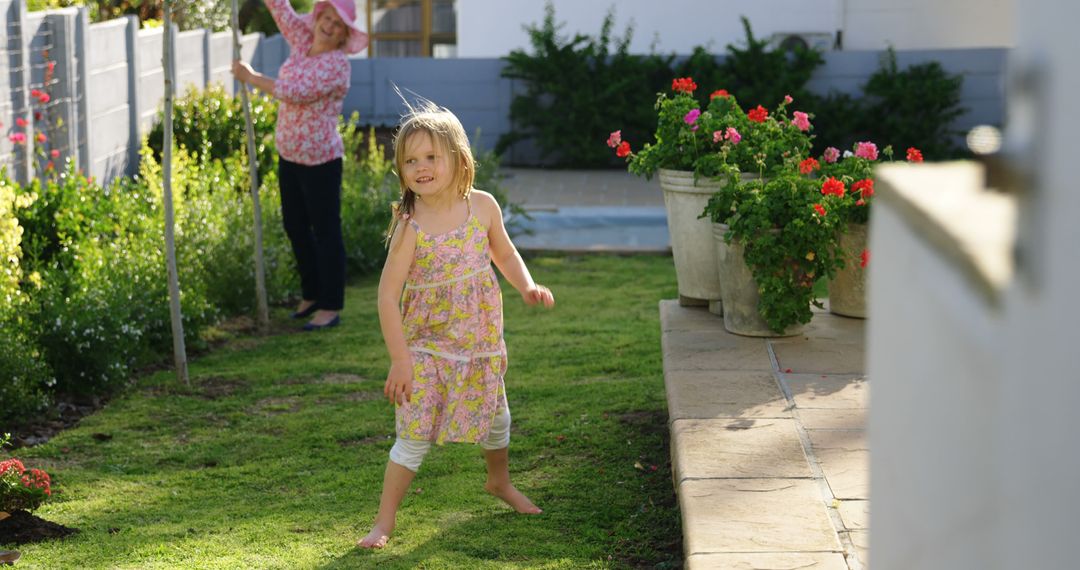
<point x="576" y="89"/>
<point x="913" y="107"/>
<point x="758" y="75"/>
<point x="212" y="119"/>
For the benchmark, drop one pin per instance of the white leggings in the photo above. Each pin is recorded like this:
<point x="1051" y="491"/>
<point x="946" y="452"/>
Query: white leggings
<point x="409" y="453"/>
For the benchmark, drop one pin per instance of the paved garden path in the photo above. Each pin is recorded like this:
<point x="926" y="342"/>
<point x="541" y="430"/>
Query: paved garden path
<point x="768" y="442"/>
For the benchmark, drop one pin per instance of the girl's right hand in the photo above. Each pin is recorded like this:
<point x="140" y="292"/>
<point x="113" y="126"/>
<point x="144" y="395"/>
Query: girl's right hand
<point x="399" y="380"/>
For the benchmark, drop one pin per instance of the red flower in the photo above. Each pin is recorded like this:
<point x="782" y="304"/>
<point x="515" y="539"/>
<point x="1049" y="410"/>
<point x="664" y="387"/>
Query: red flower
<point x="37" y="115"/>
<point x="49" y="165"/>
<point x="12" y="465"/>
<point x="44" y="97"/>
<point x="832" y="187"/>
<point x="820" y="210"/>
<point x="623" y="150"/>
<point x="54" y="153"/>
<point x="20" y="122"/>
<point x="914" y="155"/>
<point x="865" y="258"/>
<point x="683" y="85"/>
<point x="41" y="137"/>
<point x="719" y="93"/>
<point x="758" y="114"/>
<point x="35" y="93"/>
<point x="809" y="165"/>
<point x="864" y="186"/>
<point x="860" y="202"/>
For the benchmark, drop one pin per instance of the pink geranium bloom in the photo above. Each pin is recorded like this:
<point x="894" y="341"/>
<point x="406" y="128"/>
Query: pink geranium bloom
<point x="787" y="99"/>
<point x="692" y="116"/>
<point x="54" y="153"/>
<point x="21" y="122"/>
<point x="733" y="135"/>
<point x="867" y="150"/>
<point x="17" y="138"/>
<point x="615" y="138"/>
<point x="717" y="136"/>
<point x="831" y="154"/>
<point x="801" y="121"/>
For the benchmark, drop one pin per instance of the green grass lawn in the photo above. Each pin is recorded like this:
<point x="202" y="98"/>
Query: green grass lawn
<point x="274" y="457"/>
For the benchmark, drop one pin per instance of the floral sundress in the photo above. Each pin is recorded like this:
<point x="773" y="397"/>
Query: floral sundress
<point x="452" y="316"/>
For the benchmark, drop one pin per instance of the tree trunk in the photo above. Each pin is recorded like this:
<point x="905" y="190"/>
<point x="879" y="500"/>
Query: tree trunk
<point x="179" y="353"/>
<point x="253" y="169"/>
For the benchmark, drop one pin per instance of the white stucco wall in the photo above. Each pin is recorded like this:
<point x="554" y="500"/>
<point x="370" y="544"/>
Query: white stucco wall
<point x="928" y="24"/>
<point x="492" y="28"/>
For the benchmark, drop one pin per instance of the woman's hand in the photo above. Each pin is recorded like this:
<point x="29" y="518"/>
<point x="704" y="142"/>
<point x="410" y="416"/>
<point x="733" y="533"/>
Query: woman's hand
<point x="538" y="294"/>
<point x="242" y="71"/>
<point x="399" y="382"/>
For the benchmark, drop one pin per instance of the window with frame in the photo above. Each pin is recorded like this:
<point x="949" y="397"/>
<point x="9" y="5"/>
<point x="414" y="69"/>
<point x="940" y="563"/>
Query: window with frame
<point x="412" y="28"/>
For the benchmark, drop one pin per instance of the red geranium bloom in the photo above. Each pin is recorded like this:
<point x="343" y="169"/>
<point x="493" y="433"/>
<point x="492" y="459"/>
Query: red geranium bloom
<point x="54" y="153"/>
<point x="820" y="210"/>
<point x="809" y="165"/>
<point x="684" y="85"/>
<point x="864" y="186"/>
<point x="41" y="137"/>
<point x="719" y="93"/>
<point x="758" y="114"/>
<point x="914" y="154"/>
<point x="44" y="97"/>
<point x="20" y="122"/>
<point x="832" y="186"/>
<point x="623" y="150"/>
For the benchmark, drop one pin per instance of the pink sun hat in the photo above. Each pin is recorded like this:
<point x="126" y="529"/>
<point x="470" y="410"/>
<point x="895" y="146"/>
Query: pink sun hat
<point x="346" y="9"/>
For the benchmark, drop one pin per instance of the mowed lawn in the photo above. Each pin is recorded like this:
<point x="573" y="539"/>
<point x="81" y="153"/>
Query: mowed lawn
<point x="274" y="457"/>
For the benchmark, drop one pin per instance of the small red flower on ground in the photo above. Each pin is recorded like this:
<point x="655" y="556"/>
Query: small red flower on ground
<point x="865" y="258"/>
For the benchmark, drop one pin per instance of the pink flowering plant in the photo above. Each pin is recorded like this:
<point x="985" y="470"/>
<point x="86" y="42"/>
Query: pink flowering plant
<point x="720" y="140"/>
<point x="21" y="488"/>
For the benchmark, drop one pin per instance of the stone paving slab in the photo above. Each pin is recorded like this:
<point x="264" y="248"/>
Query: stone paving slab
<point x="828" y="391"/>
<point x="861" y="540"/>
<point x="804" y="356"/>
<point x="847" y="472"/>
<point x="674" y="317"/>
<point x="844" y="440"/>
<point x="767" y="561"/>
<point x="856" y="514"/>
<point x="691" y="350"/>
<point x="833" y="418"/>
<point x="754" y="515"/>
<point x="707" y="394"/>
<point x="826" y="328"/>
<point x="737" y="448"/>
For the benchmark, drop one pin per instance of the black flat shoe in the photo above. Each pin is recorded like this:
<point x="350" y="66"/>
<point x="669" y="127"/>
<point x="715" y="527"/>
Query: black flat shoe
<point x="333" y="323"/>
<point x="306" y="312"/>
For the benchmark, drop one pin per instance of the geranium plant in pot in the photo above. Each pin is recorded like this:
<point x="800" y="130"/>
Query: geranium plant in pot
<point x="696" y="152"/>
<point x="854" y="171"/>
<point x="783" y="232"/>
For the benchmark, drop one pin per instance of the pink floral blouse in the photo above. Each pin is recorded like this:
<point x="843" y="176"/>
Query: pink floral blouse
<point x="311" y="91"/>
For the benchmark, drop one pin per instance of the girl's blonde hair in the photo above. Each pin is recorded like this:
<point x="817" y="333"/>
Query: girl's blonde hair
<point x="448" y="136"/>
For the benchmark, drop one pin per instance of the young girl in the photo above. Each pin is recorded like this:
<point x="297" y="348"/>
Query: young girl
<point x="445" y="339"/>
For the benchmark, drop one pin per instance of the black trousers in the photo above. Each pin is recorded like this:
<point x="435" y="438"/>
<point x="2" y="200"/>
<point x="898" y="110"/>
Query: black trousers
<point x="311" y="214"/>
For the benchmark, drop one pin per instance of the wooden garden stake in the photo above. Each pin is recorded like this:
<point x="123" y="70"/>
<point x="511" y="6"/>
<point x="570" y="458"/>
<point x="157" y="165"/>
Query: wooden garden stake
<point x="253" y="168"/>
<point x="179" y="353"/>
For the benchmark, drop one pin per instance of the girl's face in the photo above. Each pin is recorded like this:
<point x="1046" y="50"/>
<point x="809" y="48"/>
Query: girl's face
<point x="427" y="169"/>
<point x="330" y="30"/>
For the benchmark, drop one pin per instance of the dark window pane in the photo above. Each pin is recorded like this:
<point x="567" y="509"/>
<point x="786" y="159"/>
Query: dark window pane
<point x="444" y="17"/>
<point x="397" y="16"/>
<point x="395" y="48"/>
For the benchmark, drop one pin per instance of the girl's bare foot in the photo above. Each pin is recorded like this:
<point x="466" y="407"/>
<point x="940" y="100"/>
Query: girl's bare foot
<point x="511" y="496"/>
<point x="377" y="538"/>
